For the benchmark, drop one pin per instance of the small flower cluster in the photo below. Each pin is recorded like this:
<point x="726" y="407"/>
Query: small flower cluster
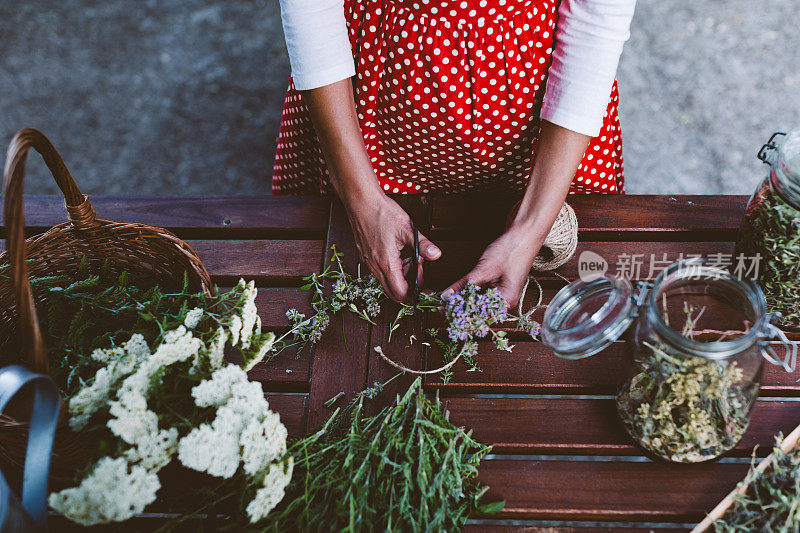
<point x="127" y="396"/>
<point x="334" y="290"/>
<point x="244" y="432"/>
<point x="529" y="326"/>
<point x="309" y="330"/>
<point x="471" y="313"/>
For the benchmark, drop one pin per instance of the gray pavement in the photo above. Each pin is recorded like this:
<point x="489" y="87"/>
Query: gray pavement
<point x="184" y="96"/>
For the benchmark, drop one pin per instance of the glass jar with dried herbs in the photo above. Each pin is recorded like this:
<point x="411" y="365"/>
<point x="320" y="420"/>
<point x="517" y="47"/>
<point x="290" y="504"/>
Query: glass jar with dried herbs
<point x="697" y="338"/>
<point x="771" y="228"/>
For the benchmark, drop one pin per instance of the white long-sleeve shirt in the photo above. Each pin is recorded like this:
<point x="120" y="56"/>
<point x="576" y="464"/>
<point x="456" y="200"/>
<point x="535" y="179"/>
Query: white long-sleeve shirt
<point x="589" y="39"/>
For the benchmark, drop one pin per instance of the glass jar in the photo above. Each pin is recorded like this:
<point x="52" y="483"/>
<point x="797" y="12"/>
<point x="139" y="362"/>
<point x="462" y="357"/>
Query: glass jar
<point x="771" y="228"/>
<point x="697" y="338"/>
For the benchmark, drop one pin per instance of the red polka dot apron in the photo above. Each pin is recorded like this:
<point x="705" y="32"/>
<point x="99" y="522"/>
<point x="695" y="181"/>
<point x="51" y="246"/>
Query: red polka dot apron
<point x="448" y="94"/>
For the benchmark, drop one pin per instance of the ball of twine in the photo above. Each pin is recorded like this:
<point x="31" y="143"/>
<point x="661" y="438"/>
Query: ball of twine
<point x="561" y="243"/>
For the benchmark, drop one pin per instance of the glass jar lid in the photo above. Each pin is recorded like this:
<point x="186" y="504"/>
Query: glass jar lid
<point x="782" y="153"/>
<point x="587" y="316"/>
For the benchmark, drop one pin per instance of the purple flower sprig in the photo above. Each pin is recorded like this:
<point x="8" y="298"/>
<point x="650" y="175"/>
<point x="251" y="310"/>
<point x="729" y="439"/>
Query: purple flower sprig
<point x="471" y="313"/>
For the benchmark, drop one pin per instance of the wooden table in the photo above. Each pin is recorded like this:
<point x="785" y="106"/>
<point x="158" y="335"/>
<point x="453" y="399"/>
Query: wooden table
<point x="560" y="458"/>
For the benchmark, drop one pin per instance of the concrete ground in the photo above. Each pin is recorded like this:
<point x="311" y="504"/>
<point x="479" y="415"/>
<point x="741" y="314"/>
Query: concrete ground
<point x="184" y="96"/>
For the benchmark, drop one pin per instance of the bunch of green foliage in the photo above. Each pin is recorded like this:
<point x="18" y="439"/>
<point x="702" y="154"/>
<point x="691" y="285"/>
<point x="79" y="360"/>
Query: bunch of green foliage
<point x="771" y="228"/>
<point x="406" y="469"/>
<point x="93" y="308"/>
<point x="771" y="501"/>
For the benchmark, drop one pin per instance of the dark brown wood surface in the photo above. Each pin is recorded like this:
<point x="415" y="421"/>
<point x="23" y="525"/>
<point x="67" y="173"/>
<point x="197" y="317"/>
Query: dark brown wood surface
<point x="559" y="452"/>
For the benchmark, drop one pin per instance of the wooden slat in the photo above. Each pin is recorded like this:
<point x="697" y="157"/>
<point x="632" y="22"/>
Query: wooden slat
<point x="266" y="261"/>
<point x="292" y="408"/>
<point x="270" y="261"/>
<point x="286" y="371"/>
<point x="218" y="217"/>
<point x="273" y="302"/>
<point x="605" y="490"/>
<point x="289" y="370"/>
<point x="586" y="426"/>
<point x="340" y="357"/>
<point x="459" y="257"/>
<point x="532" y="367"/>
<point x="647" y="213"/>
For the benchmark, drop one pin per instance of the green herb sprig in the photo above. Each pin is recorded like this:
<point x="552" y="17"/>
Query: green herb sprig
<point x="471" y="314"/>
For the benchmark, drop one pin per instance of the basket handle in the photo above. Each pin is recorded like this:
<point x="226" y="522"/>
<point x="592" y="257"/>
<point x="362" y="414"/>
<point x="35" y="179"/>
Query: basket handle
<point x="81" y="214"/>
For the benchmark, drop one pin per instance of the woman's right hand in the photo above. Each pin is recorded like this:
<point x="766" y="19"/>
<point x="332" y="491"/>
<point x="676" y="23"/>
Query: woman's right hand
<point x="382" y="229"/>
<point x="381" y="226"/>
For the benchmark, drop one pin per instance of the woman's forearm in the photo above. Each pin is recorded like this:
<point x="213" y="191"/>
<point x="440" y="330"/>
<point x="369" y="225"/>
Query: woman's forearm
<point x="558" y="154"/>
<point x="333" y="112"/>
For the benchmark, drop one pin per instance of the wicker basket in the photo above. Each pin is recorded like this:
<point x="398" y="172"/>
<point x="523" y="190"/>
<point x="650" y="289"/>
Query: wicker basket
<point x="149" y="252"/>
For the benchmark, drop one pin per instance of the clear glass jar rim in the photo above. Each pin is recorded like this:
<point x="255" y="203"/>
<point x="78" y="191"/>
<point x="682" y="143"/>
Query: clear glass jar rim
<point x="604" y="326"/>
<point x="717" y="350"/>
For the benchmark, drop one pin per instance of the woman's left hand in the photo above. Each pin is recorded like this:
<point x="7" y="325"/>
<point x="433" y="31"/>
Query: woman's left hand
<point x="505" y="264"/>
<point x="507" y="261"/>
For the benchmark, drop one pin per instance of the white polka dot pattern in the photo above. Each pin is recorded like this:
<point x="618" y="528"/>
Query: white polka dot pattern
<point x="448" y="95"/>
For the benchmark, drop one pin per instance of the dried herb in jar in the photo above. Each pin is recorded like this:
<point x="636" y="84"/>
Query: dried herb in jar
<point x="771" y="229"/>
<point x="685" y="409"/>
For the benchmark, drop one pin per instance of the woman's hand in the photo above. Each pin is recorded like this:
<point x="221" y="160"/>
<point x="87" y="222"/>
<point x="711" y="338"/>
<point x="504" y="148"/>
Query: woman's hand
<point x="382" y="229"/>
<point x="505" y="264"/>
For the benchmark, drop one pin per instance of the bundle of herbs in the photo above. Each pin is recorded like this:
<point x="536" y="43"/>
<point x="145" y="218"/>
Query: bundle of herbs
<point x="92" y="308"/>
<point x="685" y="408"/>
<point x="408" y="468"/>
<point x="771" y="231"/>
<point x="771" y="501"/>
<point x="471" y="314"/>
<point x="146" y="382"/>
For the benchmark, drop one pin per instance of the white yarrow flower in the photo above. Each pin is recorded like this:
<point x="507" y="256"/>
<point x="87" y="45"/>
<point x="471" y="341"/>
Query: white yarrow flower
<point x="235" y="329"/>
<point x="178" y="345"/>
<point x="132" y="425"/>
<point x="154" y="450"/>
<point x="250" y="323"/>
<point x="219" y="389"/>
<point x="120" y="361"/>
<point x="209" y="450"/>
<point x="216" y="348"/>
<point x="262" y="443"/>
<point x="277" y="477"/>
<point x="111" y="493"/>
<point x="193" y="318"/>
